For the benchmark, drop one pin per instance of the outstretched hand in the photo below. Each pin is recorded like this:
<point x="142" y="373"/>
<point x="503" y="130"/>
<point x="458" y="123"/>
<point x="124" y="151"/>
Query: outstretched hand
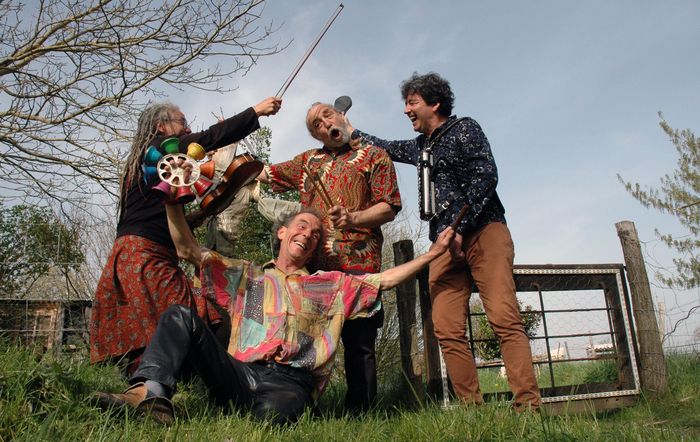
<point x="456" y="248"/>
<point x="443" y="241"/>
<point x="268" y="106"/>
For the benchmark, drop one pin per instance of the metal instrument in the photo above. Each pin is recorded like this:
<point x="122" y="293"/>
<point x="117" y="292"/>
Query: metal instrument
<point x="426" y="186"/>
<point x="343" y="104"/>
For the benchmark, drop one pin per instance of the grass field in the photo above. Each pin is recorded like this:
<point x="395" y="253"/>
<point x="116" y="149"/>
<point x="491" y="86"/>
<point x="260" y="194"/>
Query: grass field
<point x="43" y="397"/>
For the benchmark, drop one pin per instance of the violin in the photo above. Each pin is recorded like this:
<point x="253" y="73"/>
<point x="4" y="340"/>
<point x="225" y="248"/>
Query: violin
<point x="242" y="170"/>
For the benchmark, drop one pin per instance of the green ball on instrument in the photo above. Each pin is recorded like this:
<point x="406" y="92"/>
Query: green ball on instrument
<point x="171" y="145"/>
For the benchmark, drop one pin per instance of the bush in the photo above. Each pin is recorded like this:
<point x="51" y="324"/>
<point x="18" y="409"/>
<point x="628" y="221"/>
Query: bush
<point x="487" y="346"/>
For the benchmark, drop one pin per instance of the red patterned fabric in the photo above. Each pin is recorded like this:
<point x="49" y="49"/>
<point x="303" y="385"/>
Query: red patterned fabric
<point x="356" y="178"/>
<point x="140" y="280"/>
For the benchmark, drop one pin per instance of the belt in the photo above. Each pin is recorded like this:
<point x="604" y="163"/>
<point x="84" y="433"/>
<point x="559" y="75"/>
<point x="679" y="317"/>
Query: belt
<point x="286" y="369"/>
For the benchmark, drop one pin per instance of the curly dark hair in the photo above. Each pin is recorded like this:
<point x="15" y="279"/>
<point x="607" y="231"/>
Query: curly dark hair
<point x="433" y="88"/>
<point x="286" y="219"/>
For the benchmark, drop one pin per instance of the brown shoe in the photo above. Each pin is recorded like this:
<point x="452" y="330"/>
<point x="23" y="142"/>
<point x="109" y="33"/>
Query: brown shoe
<point x="131" y="398"/>
<point x="528" y="407"/>
<point x="159" y="408"/>
<point x="134" y="398"/>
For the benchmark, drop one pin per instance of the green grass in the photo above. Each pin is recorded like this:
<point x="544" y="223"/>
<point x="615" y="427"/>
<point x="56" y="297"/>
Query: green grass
<point x="565" y="373"/>
<point x="44" y="397"/>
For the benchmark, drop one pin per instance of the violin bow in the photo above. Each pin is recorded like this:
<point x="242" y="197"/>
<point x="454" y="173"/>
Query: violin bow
<point x="320" y="188"/>
<point x="305" y="57"/>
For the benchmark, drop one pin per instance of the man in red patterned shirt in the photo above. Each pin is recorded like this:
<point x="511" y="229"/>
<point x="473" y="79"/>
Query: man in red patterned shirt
<point x="361" y="182"/>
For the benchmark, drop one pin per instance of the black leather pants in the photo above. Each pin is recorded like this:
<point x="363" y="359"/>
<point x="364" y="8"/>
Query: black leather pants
<point x="359" y="336"/>
<point x="270" y="391"/>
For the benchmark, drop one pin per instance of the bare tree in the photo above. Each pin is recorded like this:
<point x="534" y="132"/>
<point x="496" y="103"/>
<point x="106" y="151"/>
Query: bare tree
<point x="679" y="196"/>
<point x="75" y="74"/>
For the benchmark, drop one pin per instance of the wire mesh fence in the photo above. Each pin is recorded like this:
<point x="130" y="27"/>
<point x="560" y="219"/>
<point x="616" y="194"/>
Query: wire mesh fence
<point x="579" y="321"/>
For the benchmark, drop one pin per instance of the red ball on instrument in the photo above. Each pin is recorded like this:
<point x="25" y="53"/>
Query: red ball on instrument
<point x="202" y="185"/>
<point x="184" y="195"/>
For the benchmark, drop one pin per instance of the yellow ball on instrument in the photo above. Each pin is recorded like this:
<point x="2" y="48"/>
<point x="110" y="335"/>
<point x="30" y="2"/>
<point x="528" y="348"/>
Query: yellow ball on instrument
<point x="195" y="150"/>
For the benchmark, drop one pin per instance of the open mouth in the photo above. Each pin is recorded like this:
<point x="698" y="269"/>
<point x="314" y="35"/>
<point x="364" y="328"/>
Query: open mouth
<point x="335" y="133"/>
<point x="303" y="246"/>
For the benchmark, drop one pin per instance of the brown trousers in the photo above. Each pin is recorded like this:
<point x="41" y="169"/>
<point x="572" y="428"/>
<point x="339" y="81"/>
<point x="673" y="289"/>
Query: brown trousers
<point x="489" y="263"/>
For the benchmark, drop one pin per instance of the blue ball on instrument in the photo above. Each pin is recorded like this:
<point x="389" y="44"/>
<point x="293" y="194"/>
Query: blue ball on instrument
<point x="150" y="174"/>
<point x="152" y="156"/>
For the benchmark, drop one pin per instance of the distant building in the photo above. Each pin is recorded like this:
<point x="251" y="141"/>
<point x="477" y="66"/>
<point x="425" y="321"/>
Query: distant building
<point x="560" y="354"/>
<point x="600" y="350"/>
<point x="49" y="315"/>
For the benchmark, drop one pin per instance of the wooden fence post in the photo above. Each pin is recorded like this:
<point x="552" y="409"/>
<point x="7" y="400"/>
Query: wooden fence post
<point x="651" y="356"/>
<point x="408" y="337"/>
<point x="431" y="348"/>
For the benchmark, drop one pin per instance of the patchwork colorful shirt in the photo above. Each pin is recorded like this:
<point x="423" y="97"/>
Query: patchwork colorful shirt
<point x="357" y="177"/>
<point x="293" y="319"/>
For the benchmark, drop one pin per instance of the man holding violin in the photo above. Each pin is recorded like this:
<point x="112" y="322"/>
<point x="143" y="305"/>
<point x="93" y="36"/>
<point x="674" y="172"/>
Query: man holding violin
<point x="354" y="186"/>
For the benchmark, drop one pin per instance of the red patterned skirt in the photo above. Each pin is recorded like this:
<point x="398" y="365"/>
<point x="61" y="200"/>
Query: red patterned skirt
<point x="140" y="280"/>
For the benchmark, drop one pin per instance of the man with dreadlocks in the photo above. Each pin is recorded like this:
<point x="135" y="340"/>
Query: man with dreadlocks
<point x="142" y="278"/>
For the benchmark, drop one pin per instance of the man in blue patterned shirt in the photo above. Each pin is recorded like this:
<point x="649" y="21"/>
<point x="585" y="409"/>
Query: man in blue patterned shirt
<point x="464" y="174"/>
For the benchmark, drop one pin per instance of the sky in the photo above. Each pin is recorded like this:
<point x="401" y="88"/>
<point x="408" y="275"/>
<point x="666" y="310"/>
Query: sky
<point x="566" y="92"/>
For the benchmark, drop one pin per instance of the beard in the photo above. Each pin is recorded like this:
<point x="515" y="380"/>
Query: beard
<point x="339" y="136"/>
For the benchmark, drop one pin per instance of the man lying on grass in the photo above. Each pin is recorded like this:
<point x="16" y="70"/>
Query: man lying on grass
<point x="285" y="325"/>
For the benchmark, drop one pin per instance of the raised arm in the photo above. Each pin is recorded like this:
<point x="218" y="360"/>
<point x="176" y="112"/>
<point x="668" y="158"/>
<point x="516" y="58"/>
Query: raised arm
<point x="185" y="242"/>
<point x="396" y="275"/>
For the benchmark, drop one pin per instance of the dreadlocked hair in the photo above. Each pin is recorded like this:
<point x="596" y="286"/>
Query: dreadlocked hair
<point x="147" y="129"/>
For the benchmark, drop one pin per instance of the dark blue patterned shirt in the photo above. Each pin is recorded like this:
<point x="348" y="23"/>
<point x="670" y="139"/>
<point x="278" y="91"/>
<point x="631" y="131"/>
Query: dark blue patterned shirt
<point x="463" y="166"/>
